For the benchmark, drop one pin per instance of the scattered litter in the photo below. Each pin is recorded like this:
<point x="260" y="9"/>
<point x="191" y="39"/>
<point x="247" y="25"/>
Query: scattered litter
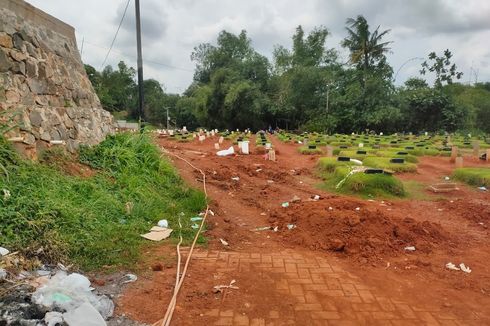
<point x="6" y="194"/>
<point x="446" y="178"/>
<point x="263" y="214"/>
<point x="72" y="292"/>
<point x="464" y="268"/>
<point x="219" y="288"/>
<point x="440" y="209"/>
<point x="410" y="248"/>
<point x="84" y="315"/>
<point x="258" y="170"/>
<point x="226" y="152"/>
<point x="195" y="226"/>
<point x="235" y="178"/>
<point x="195" y="219"/>
<point x="285" y="204"/>
<point x="291" y="226"/>
<point x="130" y="278"/>
<point x="276" y="228"/>
<point x="482" y="188"/>
<point x="223" y="242"/>
<point x="262" y="228"/>
<point x="163" y="223"/>
<point x="451" y="266"/>
<point x="157" y="233"/>
<point x="4" y="251"/>
<point x="330" y="208"/>
<point x="316" y="197"/>
<point x="358" y="208"/>
<point x="270" y="181"/>
<point x="3" y="274"/>
<point x="53" y="318"/>
<point x="211" y="212"/>
<point x="295" y="199"/>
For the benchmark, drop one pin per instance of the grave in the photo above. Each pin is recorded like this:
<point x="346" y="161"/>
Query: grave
<point x="397" y="160"/>
<point x="343" y="159"/>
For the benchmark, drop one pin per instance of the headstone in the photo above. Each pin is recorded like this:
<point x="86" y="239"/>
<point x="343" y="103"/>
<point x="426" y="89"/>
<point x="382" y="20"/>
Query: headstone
<point x="476" y="148"/>
<point x="488" y="154"/>
<point x="454" y="154"/>
<point x="397" y="160"/>
<point x="202" y="138"/>
<point x="459" y="162"/>
<point x="220" y="140"/>
<point x="343" y="159"/>
<point x="271" y="155"/>
<point x="216" y="146"/>
<point x="329" y="151"/>
<point x="361" y="145"/>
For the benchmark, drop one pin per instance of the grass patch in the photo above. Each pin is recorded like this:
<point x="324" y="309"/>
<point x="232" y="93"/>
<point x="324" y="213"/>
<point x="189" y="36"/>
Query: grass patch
<point x="473" y="176"/>
<point x="309" y="151"/>
<point x="362" y="184"/>
<point x="84" y="220"/>
<point x="385" y="164"/>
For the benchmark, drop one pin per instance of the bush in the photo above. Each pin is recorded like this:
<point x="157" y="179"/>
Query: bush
<point x="85" y="220"/>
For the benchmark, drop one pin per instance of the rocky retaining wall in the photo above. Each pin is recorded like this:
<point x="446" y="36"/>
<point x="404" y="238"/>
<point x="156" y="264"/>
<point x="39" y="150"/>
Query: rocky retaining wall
<point x="45" y="94"/>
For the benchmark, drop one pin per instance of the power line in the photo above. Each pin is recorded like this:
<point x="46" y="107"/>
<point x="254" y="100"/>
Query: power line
<point x="148" y="61"/>
<point x="115" y="36"/>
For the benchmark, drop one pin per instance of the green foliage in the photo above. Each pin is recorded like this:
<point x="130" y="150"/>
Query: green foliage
<point x="385" y="164"/>
<point x="441" y="66"/>
<point x="85" y="219"/>
<point x="474" y="176"/>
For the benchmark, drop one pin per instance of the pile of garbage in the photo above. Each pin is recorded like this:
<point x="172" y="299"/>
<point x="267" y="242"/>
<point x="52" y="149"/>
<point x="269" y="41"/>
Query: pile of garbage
<point x="51" y="297"/>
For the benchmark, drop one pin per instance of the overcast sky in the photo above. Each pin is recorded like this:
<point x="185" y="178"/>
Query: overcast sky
<point x="171" y="29"/>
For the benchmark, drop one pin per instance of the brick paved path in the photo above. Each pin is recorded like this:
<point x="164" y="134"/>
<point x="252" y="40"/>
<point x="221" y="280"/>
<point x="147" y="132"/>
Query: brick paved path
<point x="323" y="294"/>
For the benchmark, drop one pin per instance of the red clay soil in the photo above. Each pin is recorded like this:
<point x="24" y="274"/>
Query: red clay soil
<point x="367" y="245"/>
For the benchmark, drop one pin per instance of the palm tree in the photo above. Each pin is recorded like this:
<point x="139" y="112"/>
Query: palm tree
<point x="365" y="47"/>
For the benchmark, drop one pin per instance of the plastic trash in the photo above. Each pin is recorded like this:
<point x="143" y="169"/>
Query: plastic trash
<point x="3" y="274"/>
<point x="84" y="315"/>
<point x="195" y="226"/>
<point x="129" y="278"/>
<point x="53" y="318"/>
<point x="482" y="188"/>
<point x="4" y="251"/>
<point x="226" y="152"/>
<point x="410" y="248"/>
<point x="163" y="223"/>
<point x="316" y="197"/>
<point x="358" y="208"/>
<point x="464" y="268"/>
<point x="235" y="178"/>
<point x="68" y="292"/>
<point x="357" y="162"/>
<point x="223" y="242"/>
<point x="262" y="228"/>
<point x="196" y="219"/>
<point x="451" y="266"/>
<point x="285" y="204"/>
<point x="291" y="226"/>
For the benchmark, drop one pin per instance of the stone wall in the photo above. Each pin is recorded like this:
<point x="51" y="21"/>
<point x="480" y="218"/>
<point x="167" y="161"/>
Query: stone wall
<point x="45" y="93"/>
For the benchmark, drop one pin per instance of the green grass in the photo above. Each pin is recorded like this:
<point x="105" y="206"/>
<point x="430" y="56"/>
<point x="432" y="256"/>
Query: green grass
<point x="362" y="184"/>
<point x="385" y="164"/>
<point x="473" y="176"/>
<point x="329" y="164"/>
<point x="83" y="220"/>
<point x="309" y="151"/>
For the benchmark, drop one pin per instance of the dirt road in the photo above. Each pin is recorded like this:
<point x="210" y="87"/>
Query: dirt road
<point x="341" y="261"/>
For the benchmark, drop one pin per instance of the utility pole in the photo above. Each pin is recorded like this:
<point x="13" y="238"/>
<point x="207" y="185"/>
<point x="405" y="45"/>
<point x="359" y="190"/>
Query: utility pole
<point x="140" y="60"/>
<point x="168" y="119"/>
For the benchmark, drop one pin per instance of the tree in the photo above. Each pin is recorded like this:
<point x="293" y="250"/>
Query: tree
<point x="366" y="48"/>
<point x="441" y="65"/>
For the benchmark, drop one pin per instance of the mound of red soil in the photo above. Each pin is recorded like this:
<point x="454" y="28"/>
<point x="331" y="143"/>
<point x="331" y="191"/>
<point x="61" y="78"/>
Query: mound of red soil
<point x="366" y="234"/>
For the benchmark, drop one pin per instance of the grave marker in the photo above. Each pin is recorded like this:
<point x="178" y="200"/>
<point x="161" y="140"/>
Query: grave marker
<point x="454" y="154"/>
<point x="476" y="148"/>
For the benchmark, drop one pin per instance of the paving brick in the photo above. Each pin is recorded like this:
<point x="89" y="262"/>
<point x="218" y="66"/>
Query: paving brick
<point x="366" y="296"/>
<point x="384" y="315"/>
<point x="311" y="297"/>
<point x="365" y="307"/>
<point x="308" y="307"/>
<point x="427" y="318"/>
<point x="405" y="311"/>
<point x="273" y="314"/>
<point x="223" y="321"/>
<point x="212" y="313"/>
<point x="226" y="313"/>
<point x="240" y="320"/>
<point x="290" y="268"/>
<point x="296" y="289"/>
<point x="325" y="315"/>
<point x="257" y="322"/>
<point x="349" y="290"/>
